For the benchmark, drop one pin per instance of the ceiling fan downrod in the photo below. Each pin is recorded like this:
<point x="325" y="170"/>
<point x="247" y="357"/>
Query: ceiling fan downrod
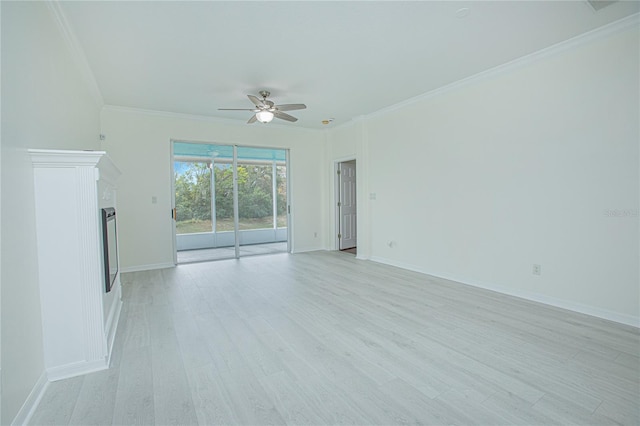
<point x="264" y="93"/>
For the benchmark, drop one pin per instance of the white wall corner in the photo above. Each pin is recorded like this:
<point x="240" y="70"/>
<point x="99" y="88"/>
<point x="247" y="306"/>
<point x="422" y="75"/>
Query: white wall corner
<point x="33" y="400"/>
<point x="75" y="49"/>
<point x="363" y="178"/>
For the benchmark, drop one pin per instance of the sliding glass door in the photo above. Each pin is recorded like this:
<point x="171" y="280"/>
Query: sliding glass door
<point x="262" y="219"/>
<point x="230" y="201"/>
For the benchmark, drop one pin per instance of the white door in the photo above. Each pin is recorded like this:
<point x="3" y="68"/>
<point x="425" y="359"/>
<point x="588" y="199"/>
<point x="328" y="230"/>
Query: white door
<point x="347" y="205"/>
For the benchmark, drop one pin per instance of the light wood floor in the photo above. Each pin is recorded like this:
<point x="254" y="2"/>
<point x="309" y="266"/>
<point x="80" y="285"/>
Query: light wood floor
<point x="323" y="338"/>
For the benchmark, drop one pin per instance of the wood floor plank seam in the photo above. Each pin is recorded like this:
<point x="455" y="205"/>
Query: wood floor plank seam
<point x="323" y="338"/>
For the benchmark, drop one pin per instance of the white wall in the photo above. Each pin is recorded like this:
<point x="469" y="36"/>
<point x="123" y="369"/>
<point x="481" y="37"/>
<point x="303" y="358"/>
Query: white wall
<point x="521" y="167"/>
<point x="342" y="141"/>
<point x="139" y="143"/>
<point x="45" y="104"/>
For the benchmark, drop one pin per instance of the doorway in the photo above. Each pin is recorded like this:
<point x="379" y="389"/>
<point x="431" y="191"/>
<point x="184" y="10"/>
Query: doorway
<point x="346" y="207"/>
<point x="229" y="201"/>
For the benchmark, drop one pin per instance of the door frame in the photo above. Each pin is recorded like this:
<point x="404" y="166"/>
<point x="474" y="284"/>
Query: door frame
<point x="174" y="240"/>
<point x="336" y="196"/>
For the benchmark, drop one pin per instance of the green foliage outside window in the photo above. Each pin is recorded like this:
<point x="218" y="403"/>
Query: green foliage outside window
<point x="255" y="191"/>
<point x="193" y="193"/>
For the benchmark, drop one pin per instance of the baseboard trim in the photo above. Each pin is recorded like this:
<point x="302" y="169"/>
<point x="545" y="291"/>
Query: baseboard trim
<point x="307" y="250"/>
<point x="521" y="294"/>
<point x="76" y="369"/>
<point x="148" y="267"/>
<point x="33" y="400"/>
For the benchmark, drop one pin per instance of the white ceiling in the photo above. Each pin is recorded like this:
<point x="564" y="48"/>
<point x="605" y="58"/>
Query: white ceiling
<point x="343" y="59"/>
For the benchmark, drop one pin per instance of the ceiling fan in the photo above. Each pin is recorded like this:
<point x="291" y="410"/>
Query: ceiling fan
<point x="265" y="109"/>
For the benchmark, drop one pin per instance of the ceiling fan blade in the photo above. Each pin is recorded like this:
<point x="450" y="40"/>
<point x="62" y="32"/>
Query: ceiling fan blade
<point x="253" y="119"/>
<point x="290" y="107"/>
<point x="256" y="101"/>
<point x="236" y="109"/>
<point x="283" y="116"/>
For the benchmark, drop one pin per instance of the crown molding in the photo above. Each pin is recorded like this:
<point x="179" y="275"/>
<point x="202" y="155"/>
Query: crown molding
<point x="76" y="51"/>
<point x="195" y="117"/>
<point x="580" y="40"/>
<point x="169" y="114"/>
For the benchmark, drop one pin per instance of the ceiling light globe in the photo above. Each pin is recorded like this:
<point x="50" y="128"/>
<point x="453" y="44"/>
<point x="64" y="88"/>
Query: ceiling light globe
<point x="264" y="116"/>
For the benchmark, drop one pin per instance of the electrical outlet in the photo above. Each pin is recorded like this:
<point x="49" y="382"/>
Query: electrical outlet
<point x="537" y="269"/>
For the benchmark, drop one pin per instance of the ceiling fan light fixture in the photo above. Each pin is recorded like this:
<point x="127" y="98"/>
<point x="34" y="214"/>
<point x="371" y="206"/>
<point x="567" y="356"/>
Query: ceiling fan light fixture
<point x="265" y="110"/>
<point x="264" y="116"/>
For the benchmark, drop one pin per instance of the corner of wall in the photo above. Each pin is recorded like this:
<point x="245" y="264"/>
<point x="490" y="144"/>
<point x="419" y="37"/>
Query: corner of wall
<point x="76" y="51"/>
<point x="33" y="400"/>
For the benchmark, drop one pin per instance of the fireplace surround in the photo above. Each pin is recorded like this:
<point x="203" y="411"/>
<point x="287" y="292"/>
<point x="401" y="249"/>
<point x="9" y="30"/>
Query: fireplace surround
<point x="79" y="317"/>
